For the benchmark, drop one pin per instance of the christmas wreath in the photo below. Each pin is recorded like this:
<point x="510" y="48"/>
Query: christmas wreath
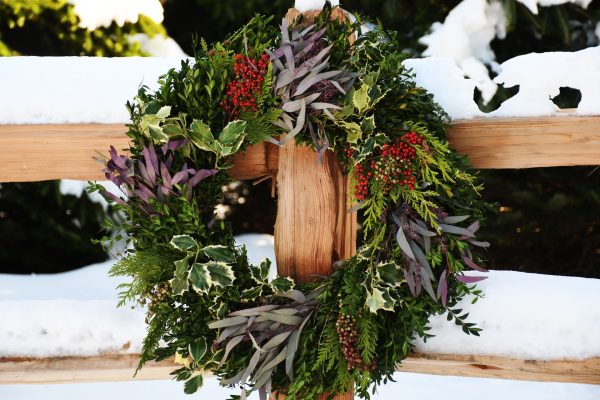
<point x="336" y="87"/>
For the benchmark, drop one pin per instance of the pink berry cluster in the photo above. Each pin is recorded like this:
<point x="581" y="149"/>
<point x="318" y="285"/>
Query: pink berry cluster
<point x="247" y="85"/>
<point x="348" y="334"/>
<point x="392" y="166"/>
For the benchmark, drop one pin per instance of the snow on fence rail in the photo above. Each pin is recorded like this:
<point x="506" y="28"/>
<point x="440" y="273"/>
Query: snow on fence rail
<point x="54" y="133"/>
<point x="58" y="113"/>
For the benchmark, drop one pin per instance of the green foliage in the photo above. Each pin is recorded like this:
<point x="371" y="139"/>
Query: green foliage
<point x="51" y="27"/>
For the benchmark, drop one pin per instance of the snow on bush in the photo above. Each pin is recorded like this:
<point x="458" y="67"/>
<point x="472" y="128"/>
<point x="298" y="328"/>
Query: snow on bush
<point x="158" y="46"/>
<point x="465" y="37"/>
<point x="96" y="13"/>
<point x="467" y="32"/>
<point x="540" y="77"/>
<point x="307" y="5"/>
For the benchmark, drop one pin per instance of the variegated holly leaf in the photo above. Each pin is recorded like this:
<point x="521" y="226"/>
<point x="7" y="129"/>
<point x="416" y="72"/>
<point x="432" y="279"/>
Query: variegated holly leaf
<point x="361" y="98"/>
<point x="353" y="131"/>
<point x="391" y="274"/>
<point x="221" y="274"/>
<point x="367" y="125"/>
<point x="380" y="299"/>
<point x="282" y="285"/>
<point x="150" y="124"/>
<point x="200" y="278"/>
<point x="232" y="137"/>
<point x="251" y="294"/>
<point x="201" y="136"/>
<point x="183" y="243"/>
<point x="179" y="283"/>
<point x="219" y="253"/>
<point x="260" y="274"/>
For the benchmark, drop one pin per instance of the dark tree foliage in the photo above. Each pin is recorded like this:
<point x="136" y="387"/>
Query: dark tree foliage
<point x="43" y="231"/>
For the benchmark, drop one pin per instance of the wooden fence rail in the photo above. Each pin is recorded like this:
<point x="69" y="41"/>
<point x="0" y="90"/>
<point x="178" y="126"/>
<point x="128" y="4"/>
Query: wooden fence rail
<point x="42" y="152"/>
<point x="120" y="367"/>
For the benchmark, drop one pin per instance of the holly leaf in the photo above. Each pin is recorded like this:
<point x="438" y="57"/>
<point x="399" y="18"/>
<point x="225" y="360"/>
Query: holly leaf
<point x="179" y="283"/>
<point x="233" y="133"/>
<point x="260" y="274"/>
<point x="200" y="278"/>
<point x="251" y="294"/>
<point x="353" y="131"/>
<point x="282" y="285"/>
<point x="367" y="125"/>
<point x="221" y="274"/>
<point x="391" y="274"/>
<point x="201" y="136"/>
<point x="380" y="300"/>
<point x="219" y="253"/>
<point x="361" y="98"/>
<point x="183" y="242"/>
<point x="198" y="348"/>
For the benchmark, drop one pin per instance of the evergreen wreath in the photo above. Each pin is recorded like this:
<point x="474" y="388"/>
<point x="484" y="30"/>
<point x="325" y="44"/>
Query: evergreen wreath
<point x="418" y="204"/>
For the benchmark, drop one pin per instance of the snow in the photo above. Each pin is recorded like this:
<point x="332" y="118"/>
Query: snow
<point x="407" y="386"/>
<point x="523" y="315"/>
<point x="532" y="5"/>
<point x="54" y="90"/>
<point x="158" y="46"/>
<point x="101" y="13"/>
<point x="540" y="77"/>
<point x="446" y="81"/>
<point x="465" y="37"/>
<point x="526" y="316"/>
<point x="307" y="5"/>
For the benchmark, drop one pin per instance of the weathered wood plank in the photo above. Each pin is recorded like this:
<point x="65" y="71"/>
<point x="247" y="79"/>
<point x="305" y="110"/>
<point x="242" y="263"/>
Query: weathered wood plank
<point x="313" y="228"/>
<point x="564" y="140"/>
<point x="120" y="367"/>
<point x="42" y="152"/>
<point x="573" y="371"/>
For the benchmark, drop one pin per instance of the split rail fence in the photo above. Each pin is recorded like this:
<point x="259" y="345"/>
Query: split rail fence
<point x="313" y="227"/>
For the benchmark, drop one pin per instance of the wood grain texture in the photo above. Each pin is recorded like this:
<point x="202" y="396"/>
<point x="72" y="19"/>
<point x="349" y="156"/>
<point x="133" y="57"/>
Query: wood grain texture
<point x="103" y="368"/>
<point x="574" y="371"/>
<point x="258" y="161"/>
<point x="313" y="228"/>
<point x="42" y="152"/>
<point x="564" y="140"/>
<point x="120" y="367"/>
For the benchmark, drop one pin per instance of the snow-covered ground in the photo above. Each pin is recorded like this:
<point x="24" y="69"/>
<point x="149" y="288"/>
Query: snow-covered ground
<point x="523" y="315"/>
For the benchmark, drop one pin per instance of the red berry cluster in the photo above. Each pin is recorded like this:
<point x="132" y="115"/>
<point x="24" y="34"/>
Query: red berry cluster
<point x="392" y="166"/>
<point x="346" y="329"/>
<point x="247" y="85"/>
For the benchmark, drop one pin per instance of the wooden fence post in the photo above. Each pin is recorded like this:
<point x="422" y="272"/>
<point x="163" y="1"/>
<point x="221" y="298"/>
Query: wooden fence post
<point x="313" y="228"/>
